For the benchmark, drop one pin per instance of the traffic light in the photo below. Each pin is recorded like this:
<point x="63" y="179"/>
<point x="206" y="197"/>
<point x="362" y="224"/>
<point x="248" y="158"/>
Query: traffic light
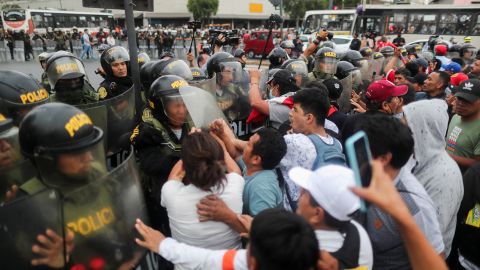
<point x="140" y="5"/>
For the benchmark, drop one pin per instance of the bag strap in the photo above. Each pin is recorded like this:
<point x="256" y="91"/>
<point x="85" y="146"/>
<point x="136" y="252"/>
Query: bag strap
<point x="284" y="186"/>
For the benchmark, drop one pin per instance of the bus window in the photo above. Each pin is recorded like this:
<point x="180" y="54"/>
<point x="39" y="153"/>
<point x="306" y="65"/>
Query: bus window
<point x="92" y="22"/>
<point x="454" y="24"/>
<point x="396" y="23"/>
<point x="103" y="22"/>
<point x="14" y="15"/>
<point x="332" y="22"/>
<point x="82" y="22"/>
<point x="60" y="21"/>
<point x="38" y="21"/>
<point x="71" y="20"/>
<point x="476" y="28"/>
<point x="422" y="24"/>
<point x="371" y="24"/>
<point x="48" y="20"/>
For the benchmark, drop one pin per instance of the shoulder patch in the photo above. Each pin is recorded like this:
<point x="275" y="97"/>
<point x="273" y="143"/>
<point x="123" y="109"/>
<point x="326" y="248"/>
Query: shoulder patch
<point x="102" y="92"/>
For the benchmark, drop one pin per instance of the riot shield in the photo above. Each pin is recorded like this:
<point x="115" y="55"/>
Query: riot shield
<point x="344" y="100"/>
<point x="201" y="106"/>
<point x="263" y="82"/>
<point x="179" y="49"/>
<point x="19" y="51"/>
<point x="377" y="65"/>
<point x="22" y="221"/>
<point x="142" y="45"/>
<point x="208" y="85"/>
<point x="116" y="117"/>
<point x="4" y="54"/>
<point x="17" y="174"/>
<point x="124" y="43"/>
<point x="102" y="216"/>
<point x="37" y="47"/>
<point x="50" y="45"/>
<point x="77" y="47"/>
<point x="367" y="70"/>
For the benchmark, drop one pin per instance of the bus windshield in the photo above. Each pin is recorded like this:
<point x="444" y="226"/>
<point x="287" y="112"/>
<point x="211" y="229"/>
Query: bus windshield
<point x="332" y="22"/>
<point x="14" y="15"/>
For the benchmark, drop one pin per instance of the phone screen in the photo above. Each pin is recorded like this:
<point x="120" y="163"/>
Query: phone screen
<point x="363" y="160"/>
<point x="359" y="159"/>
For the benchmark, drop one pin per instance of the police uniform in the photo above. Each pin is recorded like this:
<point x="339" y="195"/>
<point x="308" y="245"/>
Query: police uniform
<point x="85" y="95"/>
<point x="109" y="89"/>
<point x="45" y="82"/>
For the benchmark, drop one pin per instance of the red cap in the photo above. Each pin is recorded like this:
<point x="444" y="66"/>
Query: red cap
<point x="380" y="91"/>
<point x="440" y="50"/>
<point x="390" y="76"/>
<point x="457" y="78"/>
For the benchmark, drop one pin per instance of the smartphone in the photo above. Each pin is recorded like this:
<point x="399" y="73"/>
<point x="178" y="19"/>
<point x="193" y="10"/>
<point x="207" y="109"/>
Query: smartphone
<point x="360" y="160"/>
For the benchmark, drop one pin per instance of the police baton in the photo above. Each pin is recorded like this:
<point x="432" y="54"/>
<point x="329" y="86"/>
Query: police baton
<point x="273" y="20"/>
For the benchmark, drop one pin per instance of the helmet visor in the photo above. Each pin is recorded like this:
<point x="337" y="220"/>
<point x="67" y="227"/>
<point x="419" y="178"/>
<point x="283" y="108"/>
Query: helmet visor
<point x="115" y="54"/>
<point x="230" y="72"/>
<point x="72" y="169"/>
<point x="470" y="53"/>
<point x="175" y="109"/>
<point x="327" y="65"/>
<point x="9" y="148"/>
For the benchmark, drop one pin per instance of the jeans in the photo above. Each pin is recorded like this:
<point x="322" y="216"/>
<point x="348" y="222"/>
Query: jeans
<point x="87" y="49"/>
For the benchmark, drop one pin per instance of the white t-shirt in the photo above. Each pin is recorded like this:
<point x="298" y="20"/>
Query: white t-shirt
<point x="332" y="241"/>
<point x="181" y="200"/>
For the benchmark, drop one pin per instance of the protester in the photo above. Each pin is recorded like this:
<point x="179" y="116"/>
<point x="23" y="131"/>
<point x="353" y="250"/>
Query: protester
<point x="434" y="86"/>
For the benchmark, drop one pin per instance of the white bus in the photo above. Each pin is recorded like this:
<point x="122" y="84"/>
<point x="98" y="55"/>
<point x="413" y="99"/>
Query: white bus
<point x="414" y="22"/>
<point x="38" y="19"/>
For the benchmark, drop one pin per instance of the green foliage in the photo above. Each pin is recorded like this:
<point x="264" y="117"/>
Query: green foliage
<point x="202" y="9"/>
<point x="296" y="8"/>
<point x="9" y="6"/>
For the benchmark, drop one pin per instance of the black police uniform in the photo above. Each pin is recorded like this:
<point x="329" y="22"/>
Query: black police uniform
<point x="113" y="86"/>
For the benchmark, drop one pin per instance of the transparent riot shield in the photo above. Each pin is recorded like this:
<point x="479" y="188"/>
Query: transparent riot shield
<point x="142" y="45"/>
<point x="208" y="85"/>
<point x="50" y="45"/>
<point x="179" y="49"/>
<point x="344" y="100"/>
<point x="124" y="43"/>
<point x="37" y="47"/>
<point x="17" y="174"/>
<point x="201" y="106"/>
<point x="19" y="51"/>
<point x="102" y="216"/>
<point x="263" y="82"/>
<point x="367" y="70"/>
<point x="77" y="47"/>
<point x="3" y="52"/>
<point x="21" y="221"/>
<point x="377" y="65"/>
<point x="116" y="117"/>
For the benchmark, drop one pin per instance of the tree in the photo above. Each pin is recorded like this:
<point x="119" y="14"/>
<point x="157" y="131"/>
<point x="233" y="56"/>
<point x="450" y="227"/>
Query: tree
<point x="202" y="10"/>
<point x="296" y="8"/>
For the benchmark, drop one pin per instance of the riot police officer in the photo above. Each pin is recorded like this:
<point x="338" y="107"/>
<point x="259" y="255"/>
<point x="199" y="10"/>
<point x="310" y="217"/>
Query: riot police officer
<point x="298" y="69"/>
<point x="67" y="78"/>
<point x="143" y="58"/>
<point x="350" y="78"/>
<point x="60" y="40"/>
<point x="325" y="64"/>
<point x="276" y="57"/>
<point x="171" y="66"/>
<point x="157" y="141"/>
<point x="115" y="63"/>
<point x="43" y="58"/>
<point x="19" y="94"/>
<point x="468" y="53"/>
<point x="198" y="74"/>
<point x="242" y="58"/>
<point x="288" y="46"/>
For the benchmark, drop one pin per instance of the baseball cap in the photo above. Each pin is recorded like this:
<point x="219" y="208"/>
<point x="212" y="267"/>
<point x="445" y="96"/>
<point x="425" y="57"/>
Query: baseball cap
<point x="420" y="78"/>
<point x="381" y="90"/>
<point x="421" y="62"/>
<point x="281" y="75"/>
<point x="458" y="78"/>
<point x="329" y="187"/>
<point x="452" y="67"/>
<point x="469" y="90"/>
<point x="334" y="88"/>
<point x="440" y="49"/>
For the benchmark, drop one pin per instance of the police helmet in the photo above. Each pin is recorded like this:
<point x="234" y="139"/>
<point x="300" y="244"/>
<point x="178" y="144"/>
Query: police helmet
<point x="167" y="54"/>
<point x="454" y="50"/>
<point x="327" y="44"/>
<point x="63" y="65"/>
<point x="51" y="130"/>
<point x="366" y="52"/>
<point x="198" y="74"/>
<point x="344" y="68"/>
<point x="413" y="48"/>
<point x="378" y="55"/>
<point x="353" y="57"/>
<point x="468" y="48"/>
<point x="102" y="47"/>
<point x="213" y="63"/>
<point x="277" y="56"/>
<point x="326" y="61"/>
<point x="162" y="88"/>
<point x="239" y="53"/>
<point x="387" y="51"/>
<point x="143" y="58"/>
<point x="287" y="44"/>
<point x="146" y="74"/>
<point x="467" y="39"/>
<point x="114" y="54"/>
<point x="43" y="57"/>
<point x="19" y="93"/>
<point x="171" y="67"/>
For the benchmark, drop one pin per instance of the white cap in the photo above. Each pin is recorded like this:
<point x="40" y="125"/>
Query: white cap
<point x="329" y="187"/>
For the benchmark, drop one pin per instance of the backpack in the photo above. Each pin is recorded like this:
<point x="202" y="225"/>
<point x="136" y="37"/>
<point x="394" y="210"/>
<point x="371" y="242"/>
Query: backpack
<point x="327" y="154"/>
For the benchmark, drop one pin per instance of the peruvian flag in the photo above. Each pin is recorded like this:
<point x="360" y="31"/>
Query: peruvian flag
<point x="257" y="117"/>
